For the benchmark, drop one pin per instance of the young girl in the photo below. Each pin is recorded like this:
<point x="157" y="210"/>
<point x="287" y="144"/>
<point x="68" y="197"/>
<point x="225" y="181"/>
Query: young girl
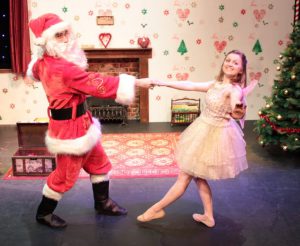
<point x="212" y="147"/>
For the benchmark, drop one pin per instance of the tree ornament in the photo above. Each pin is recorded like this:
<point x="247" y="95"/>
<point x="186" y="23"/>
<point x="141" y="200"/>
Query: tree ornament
<point x="286" y="92"/>
<point x="296" y="139"/>
<point x="278" y="68"/>
<point x="143" y="42"/>
<point x="263" y="125"/>
<point x="259" y="112"/>
<point x="280" y="56"/>
<point x="261" y="142"/>
<point x="284" y="147"/>
<point x="268" y="105"/>
<point x="279" y="117"/>
<point x="293" y="77"/>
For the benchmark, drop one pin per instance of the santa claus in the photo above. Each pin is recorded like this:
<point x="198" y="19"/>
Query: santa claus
<point x="73" y="135"/>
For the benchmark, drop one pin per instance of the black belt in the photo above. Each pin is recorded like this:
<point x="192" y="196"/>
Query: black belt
<point x="66" y="113"/>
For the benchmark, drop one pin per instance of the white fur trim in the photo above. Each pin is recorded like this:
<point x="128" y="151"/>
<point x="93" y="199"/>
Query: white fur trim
<point x="97" y="123"/>
<point x="40" y="41"/>
<point x="51" y="31"/>
<point x="48" y="192"/>
<point x="29" y="72"/>
<point x="126" y="89"/>
<point x="99" y="178"/>
<point x="77" y="146"/>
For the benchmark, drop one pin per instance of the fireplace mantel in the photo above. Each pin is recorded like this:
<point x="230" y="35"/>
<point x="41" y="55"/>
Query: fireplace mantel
<point x="127" y="53"/>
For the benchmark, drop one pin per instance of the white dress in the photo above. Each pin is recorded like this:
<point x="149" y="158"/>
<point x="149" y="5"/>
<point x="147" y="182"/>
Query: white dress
<point x="212" y="147"/>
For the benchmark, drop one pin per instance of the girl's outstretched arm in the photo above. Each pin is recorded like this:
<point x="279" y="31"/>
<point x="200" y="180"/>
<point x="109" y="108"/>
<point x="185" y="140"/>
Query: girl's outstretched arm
<point x="186" y="85"/>
<point x="247" y="90"/>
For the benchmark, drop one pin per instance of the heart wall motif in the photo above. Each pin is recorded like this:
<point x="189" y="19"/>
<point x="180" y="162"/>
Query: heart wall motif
<point x="105" y="39"/>
<point x="220" y="46"/>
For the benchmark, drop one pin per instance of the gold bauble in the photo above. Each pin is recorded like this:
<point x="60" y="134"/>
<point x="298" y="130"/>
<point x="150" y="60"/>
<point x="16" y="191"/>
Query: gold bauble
<point x="280" y="56"/>
<point x="278" y="68"/>
<point x="261" y="142"/>
<point x="279" y="117"/>
<point x="268" y="105"/>
<point x="259" y="112"/>
<point x="285" y="92"/>
<point x="296" y="139"/>
<point x="293" y="76"/>
<point x="284" y="147"/>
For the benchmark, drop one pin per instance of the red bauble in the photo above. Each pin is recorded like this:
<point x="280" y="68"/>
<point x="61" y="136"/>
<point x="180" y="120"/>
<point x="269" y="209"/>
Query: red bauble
<point x="144" y="42"/>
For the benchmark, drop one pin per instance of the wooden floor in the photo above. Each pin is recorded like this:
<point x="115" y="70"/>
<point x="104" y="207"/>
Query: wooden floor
<point x="259" y="207"/>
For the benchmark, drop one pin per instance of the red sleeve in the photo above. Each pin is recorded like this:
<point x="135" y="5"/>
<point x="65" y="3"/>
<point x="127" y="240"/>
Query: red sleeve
<point x="91" y="83"/>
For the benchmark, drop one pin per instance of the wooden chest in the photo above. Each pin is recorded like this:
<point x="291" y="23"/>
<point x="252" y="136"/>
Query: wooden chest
<point x="32" y="157"/>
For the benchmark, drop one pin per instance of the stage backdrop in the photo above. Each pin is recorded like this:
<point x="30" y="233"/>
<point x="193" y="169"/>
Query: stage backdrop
<point x="189" y="39"/>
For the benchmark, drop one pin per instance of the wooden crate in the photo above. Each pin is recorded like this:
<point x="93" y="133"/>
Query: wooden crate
<point x="32" y="157"/>
<point x="184" y="111"/>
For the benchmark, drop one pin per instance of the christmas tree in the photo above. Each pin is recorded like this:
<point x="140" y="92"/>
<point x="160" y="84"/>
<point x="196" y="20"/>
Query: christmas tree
<point x="279" y="123"/>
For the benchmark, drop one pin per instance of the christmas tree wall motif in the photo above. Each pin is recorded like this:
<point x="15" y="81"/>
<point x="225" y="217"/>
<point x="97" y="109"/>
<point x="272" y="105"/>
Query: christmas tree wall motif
<point x="257" y="47"/>
<point x="182" y="48"/>
<point x="279" y="122"/>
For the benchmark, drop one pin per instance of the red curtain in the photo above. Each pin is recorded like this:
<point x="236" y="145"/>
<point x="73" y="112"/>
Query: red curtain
<point x="19" y="36"/>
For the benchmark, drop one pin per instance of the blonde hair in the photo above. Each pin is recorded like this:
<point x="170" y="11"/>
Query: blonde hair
<point x="240" y="78"/>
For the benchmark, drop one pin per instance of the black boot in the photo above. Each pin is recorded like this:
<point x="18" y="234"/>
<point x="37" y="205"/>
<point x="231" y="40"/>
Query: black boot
<point x="45" y="214"/>
<point x="103" y="204"/>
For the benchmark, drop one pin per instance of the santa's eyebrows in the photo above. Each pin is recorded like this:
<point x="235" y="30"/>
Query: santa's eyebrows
<point x="62" y="33"/>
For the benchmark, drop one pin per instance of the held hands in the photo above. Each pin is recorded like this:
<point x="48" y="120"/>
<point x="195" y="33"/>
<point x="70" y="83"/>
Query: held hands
<point x="145" y="83"/>
<point x="159" y="83"/>
<point x="149" y="83"/>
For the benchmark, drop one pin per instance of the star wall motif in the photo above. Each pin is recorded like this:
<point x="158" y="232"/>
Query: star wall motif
<point x="65" y="9"/>
<point x="144" y="11"/>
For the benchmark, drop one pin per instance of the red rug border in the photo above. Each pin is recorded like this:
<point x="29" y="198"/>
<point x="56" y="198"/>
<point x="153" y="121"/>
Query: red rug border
<point x="9" y="172"/>
<point x="8" y="175"/>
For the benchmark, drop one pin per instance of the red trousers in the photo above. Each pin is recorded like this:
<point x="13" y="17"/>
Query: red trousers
<point x="68" y="168"/>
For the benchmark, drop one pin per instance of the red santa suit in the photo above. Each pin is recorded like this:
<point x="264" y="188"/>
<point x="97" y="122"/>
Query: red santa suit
<point x="75" y="141"/>
<point x="73" y="135"/>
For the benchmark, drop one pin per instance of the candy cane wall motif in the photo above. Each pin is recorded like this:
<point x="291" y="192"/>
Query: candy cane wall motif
<point x="297" y="10"/>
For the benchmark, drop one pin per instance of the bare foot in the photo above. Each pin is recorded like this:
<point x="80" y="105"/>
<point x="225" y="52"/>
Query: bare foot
<point x="151" y="214"/>
<point x="209" y="222"/>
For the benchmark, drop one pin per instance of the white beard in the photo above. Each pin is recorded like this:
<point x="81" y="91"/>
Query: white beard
<point x="69" y="51"/>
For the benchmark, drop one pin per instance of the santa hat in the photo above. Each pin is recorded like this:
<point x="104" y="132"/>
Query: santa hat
<point x="46" y="26"/>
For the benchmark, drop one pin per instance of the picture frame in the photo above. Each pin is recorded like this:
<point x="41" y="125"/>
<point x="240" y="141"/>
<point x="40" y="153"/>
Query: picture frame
<point x="105" y="20"/>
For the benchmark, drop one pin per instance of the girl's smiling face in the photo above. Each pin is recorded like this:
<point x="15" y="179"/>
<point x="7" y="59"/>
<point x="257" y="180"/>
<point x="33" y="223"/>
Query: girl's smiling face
<point x="232" y="65"/>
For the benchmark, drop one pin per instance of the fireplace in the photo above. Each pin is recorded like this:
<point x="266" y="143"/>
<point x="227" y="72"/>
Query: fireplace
<point x="130" y="61"/>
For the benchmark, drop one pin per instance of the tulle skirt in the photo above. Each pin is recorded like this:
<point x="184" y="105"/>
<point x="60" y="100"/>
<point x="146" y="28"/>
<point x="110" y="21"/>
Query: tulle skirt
<point x="212" y="151"/>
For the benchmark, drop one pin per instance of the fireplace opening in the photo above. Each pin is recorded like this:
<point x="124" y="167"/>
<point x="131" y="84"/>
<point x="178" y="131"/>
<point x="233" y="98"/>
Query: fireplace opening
<point x="113" y="62"/>
<point x="107" y="110"/>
